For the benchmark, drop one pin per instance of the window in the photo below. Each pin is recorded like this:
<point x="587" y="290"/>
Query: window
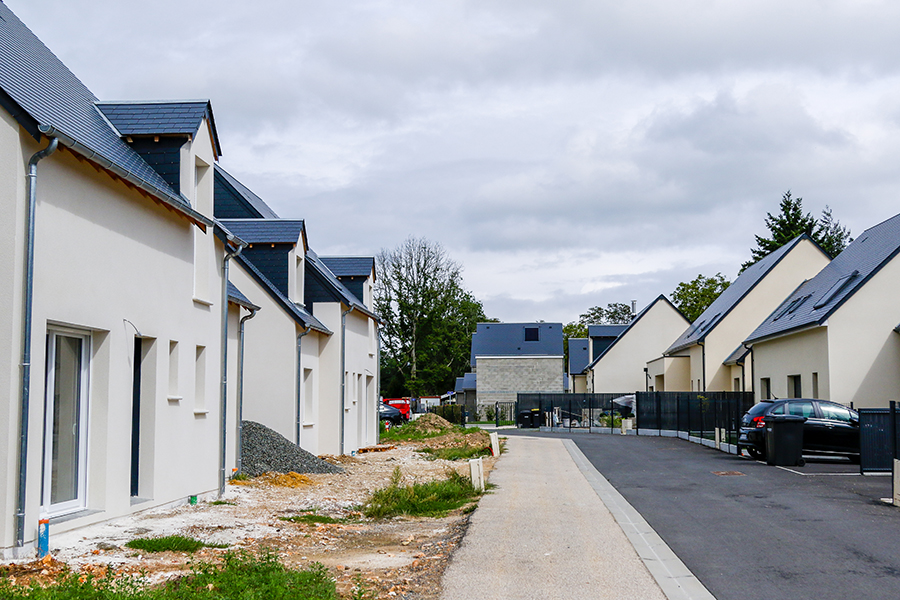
<point x="200" y="381"/>
<point x="835" y="289"/>
<point x="834" y="413"/>
<point x="815" y="382"/>
<point x="792" y="307"/>
<point x="65" y="418"/>
<point x="778" y="410"/>
<point x="737" y="384"/>
<point x="532" y="334"/>
<point x="794" y="387"/>
<point x="801" y="409"/>
<point x="765" y="388"/>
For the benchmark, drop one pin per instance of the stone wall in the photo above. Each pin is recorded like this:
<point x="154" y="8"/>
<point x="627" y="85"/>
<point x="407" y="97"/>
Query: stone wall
<point x="500" y="379"/>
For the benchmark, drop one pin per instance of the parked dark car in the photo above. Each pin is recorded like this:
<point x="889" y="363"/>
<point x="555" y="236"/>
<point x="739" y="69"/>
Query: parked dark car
<point x="830" y="428"/>
<point x="389" y="415"/>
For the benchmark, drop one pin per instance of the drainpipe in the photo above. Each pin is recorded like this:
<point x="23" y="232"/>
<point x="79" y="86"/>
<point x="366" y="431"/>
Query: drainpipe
<point x="300" y="386"/>
<point x="224" y="389"/>
<point x="703" y="350"/>
<point x="343" y="367"/>
<point x="240" y="389"/>
<point x="377" y="383"/>
<point x="31" y="192"/>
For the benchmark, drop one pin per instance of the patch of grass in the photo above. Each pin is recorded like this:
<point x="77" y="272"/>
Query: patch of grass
<point x="240" y="477"/>
<point x="222" y="503"/>
<point x="431" y="499"/>
<point x="409" y="432"/>
<point x="170" y="543"/>
<point x="311" y="518"/>
<point x="463" y="453"/>
<point x="239" y="576"/>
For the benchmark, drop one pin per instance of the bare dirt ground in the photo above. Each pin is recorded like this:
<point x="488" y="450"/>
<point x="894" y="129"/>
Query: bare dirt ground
<point x="400" y="557"/>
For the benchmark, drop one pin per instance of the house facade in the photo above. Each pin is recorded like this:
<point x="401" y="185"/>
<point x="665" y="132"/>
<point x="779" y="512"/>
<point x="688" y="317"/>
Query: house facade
<point x="620" y="366"/>
<point x="117" y="302"/>
<point x="836" y="336"/>
<point x="700" y="355"/>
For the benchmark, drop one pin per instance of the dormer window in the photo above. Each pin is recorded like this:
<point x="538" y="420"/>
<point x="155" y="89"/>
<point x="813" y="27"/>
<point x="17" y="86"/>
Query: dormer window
<point x="532" y="334"/>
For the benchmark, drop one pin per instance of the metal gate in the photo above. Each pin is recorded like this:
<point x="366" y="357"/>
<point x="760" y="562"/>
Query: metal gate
<point x="878" y="443"/>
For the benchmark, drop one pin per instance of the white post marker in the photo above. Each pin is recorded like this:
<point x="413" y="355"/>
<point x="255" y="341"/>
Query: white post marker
<point x="495" y="443"/>
<point x="476" y="469"/>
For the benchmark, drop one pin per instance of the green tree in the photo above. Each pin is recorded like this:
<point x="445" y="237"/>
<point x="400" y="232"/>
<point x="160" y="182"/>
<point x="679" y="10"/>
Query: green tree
<point x="695" y="296"/>
<point x="428" y="319"/>
<point x="790" y="222"/>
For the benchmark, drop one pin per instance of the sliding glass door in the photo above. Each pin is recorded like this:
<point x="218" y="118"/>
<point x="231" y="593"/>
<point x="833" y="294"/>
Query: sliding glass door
<point x="65" y="422"/>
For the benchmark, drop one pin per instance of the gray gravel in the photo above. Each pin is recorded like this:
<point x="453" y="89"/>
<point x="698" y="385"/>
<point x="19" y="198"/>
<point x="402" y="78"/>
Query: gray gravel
<point x="264" y="450"/>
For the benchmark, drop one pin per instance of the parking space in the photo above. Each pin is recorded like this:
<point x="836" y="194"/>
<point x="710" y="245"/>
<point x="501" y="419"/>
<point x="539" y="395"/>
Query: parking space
<point x="748" y="530"/>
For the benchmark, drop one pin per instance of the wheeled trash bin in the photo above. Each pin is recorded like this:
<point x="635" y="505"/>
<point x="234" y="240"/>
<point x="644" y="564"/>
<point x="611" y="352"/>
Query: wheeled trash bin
<point x="784" y="440"/>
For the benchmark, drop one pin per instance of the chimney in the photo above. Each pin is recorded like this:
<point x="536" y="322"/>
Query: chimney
<point x="633" y="308"/>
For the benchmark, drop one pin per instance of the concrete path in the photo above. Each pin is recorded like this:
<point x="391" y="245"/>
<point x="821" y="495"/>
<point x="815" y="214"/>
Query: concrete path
<point x="545" y="533"/>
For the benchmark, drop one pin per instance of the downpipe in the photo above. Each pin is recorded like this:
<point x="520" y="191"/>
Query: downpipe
<point x="240" y="389"/>
<point x="31" y="192"/>
<point x="343" y="375"/>
<point x="223" y="404"/>
<point x="299" y="427"/>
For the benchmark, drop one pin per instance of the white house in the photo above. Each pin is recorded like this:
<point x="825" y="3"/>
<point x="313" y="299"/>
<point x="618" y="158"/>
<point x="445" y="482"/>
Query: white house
<point x="111" y="366"/>
<point x="709" y="354"/>
<point x="836" y="336"/>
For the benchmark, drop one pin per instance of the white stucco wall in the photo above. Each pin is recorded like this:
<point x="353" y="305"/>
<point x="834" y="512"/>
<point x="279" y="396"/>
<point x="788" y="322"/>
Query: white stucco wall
<point x="803" y="354"/>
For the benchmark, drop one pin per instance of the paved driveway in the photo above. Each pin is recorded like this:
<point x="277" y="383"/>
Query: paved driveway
<point x="753" y="531"/>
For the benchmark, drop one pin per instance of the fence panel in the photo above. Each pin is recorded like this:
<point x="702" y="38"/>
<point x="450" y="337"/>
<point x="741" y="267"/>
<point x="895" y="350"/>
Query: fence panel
<point x="878" y="432"/>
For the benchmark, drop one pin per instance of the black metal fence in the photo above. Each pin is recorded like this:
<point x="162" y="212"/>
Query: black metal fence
<point x="878" y="439"/>
<point x="711" y="416"/>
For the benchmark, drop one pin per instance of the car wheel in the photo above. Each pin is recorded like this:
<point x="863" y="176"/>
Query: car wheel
<point x="756" y="453"/>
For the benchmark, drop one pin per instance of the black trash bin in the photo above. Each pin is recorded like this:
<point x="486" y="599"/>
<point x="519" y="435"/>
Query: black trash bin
<point x="536" y="418"/>
<point x="784" y="440"/>
<point x="524" y="420"/>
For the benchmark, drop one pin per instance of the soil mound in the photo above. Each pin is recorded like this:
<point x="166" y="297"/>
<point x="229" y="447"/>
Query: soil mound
<point x="430" y="423"/>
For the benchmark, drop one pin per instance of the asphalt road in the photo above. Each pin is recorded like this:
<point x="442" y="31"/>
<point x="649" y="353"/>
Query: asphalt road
<point x="818" y="532"/>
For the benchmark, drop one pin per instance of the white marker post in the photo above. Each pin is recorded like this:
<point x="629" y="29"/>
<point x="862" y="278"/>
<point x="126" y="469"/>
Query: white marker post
<point x="495" y="444"/>
<point x="476" y="469"/>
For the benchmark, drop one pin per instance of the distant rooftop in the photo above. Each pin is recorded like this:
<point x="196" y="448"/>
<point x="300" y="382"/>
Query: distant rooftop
<point x="517" y="339"/>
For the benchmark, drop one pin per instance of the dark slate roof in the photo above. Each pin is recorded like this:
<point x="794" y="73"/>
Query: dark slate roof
<point x="508" y="339"/>
<point x="161" y="118"/>
<point x="266" y="231"/>
<point x="737" y="356"/>
<point x="297" y="312"/>
<point x="816" y="299"/>
<point x="237" y="297"/>
<point x="466" y="382"/>
<point x="224" y="179"/>
<point x="606" y="330"/>
<point x="732" y="296"/>
<point x="338" y="289"/>
<point x="578" y="354"/>
<point x="350" y="266"/>
<point x="634" y="321"/>
<point x="50" y="95"/>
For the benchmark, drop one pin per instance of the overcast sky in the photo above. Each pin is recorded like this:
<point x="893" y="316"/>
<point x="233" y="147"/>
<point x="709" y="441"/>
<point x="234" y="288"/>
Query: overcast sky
<point x="567" y="153"/>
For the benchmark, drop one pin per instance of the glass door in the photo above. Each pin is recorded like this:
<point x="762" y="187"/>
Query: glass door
<point x="65" y="421"/>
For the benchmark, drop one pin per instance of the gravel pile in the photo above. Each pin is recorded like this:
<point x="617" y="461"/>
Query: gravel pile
<point x="264" y="450"/>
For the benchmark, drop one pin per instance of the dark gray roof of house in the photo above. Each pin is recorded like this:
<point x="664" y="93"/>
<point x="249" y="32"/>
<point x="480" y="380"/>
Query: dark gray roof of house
<point x="182" y="117"/>
<point x="50" y="95"/>
<point x="266" y="231"/>
<point x="237" y="297"/>
<point x="337" y="288"/>
<point x="733" y="295"/>
<point x="605" y="330"/>
<point x="238" y="188"/>
<point x="816" y="299"/>
<point x="634" y="321"/>
<point x="508" y="339"/>
<point x="466" y="382"/>
<point x="578" y="354"/>
<point x="350" y="266"/>
<point x="737" y="356"/>
<point x="297" y="312"/>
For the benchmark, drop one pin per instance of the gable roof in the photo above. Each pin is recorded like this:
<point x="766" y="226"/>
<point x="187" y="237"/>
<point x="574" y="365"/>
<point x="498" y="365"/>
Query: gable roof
<point x="175" y="117"/>
<point x="46" y="98"/>
<point x="466" y="382"/>
<point x="606" y="330"/>
<point x="235" y="296"/>
<point x="818" y="298"/>
<point x="267" y="231"/>
<point x="226" y="184"/>
<point x="337" y="289"/>
<point x="297" y="312"/>
<point x="350" y="266"/>
<point x="733" y="295"/>
<point x="508" y="339"/>
<point x="578" y="354"/>
<point x="634" y="321"/>
<point x="737" y="357"/>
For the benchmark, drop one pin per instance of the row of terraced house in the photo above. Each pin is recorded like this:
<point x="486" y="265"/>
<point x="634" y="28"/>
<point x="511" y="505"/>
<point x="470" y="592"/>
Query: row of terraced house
<point x="151" y="302"/>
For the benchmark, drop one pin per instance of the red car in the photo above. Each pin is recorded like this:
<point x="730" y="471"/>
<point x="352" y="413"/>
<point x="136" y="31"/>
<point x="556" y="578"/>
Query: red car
<point x="401" y="404"/>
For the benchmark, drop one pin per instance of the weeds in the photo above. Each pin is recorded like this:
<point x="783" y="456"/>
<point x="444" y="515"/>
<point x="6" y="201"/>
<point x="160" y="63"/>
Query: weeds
<point x="463" y="453"/>
<point x="222" y="503"/>
<point x="409" y="432"/>
<point x="312" y="518"/>
<point x="431" y="499"/>
<point x="240" y="477"/>
<point x="170" y="543"/>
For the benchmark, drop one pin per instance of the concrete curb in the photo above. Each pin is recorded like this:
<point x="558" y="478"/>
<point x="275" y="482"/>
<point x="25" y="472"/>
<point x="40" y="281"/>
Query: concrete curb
<point x="672" y="576"/>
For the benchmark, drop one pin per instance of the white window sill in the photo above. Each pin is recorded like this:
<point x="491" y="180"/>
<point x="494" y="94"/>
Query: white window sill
<point x="202" y="302"/>
<point x="200" y="412"/>
<point x="174" y="398"/>
<point x="308" y="424"/>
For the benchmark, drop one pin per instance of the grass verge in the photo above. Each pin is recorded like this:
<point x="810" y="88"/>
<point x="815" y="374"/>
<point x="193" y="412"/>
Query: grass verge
<point x="431" y="499"/>
<point x="170" y="543"/>
<point x="409" y="433"/>
<point x="463" y="453"/>
<point x="240" y="576"/>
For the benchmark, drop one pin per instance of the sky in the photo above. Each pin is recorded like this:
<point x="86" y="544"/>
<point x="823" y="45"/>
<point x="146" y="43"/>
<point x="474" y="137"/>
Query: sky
<point x="568" y="154"/>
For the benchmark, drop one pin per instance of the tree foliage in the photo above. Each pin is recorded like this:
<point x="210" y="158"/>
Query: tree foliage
<point x="693" y="297"/>
<point x="790" y="222"/>
<point x="428" y="319"/>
